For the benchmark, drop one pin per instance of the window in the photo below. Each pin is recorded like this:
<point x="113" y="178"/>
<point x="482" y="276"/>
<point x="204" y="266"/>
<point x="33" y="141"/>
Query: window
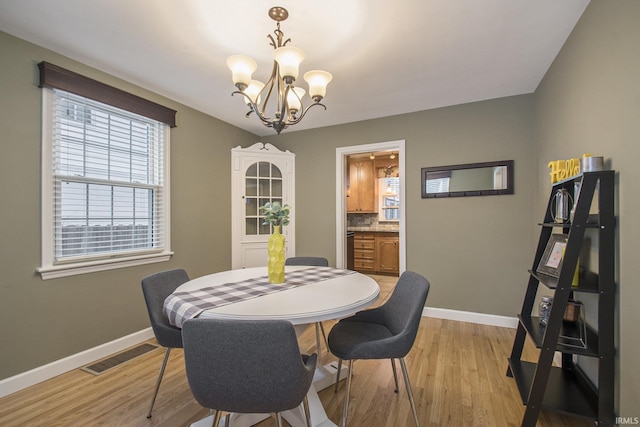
<point x="105" y="186"/>
<point x="389" y="202"/>
<point x="263" y="184"/>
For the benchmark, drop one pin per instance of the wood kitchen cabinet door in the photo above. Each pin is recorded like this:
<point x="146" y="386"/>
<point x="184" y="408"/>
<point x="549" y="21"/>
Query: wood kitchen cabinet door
<point x="387" y="254"/>
<point x="362" y="186"/>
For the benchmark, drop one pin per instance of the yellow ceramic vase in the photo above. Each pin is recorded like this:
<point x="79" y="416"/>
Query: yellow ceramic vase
<point x="275" y="265"/>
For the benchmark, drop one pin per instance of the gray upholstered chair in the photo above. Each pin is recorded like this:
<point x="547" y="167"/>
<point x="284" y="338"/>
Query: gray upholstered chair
<point x="385" y="332"/>
<point x="156" y="288"/>
<point x="246" y="366"/>
<point x="312" y="261"/>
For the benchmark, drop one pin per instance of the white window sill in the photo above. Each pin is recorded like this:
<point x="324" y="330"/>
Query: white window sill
<point x="73" y="269"/>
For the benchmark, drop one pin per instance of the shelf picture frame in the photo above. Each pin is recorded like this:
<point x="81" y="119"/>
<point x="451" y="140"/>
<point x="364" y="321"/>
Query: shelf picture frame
<point x="551" y="261"/>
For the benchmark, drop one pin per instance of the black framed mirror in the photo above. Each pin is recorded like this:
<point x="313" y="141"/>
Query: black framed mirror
<point x="471" y="179"/>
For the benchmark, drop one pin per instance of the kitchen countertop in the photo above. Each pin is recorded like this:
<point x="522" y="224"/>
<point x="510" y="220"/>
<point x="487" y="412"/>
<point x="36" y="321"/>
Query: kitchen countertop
<point x="376" y="229"/>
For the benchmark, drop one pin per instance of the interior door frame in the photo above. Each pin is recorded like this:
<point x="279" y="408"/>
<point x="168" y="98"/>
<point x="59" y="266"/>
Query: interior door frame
<point x="341" y="196"/>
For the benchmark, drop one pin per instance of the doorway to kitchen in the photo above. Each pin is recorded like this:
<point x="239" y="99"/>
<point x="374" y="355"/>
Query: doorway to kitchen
<point x="343" y="193"/>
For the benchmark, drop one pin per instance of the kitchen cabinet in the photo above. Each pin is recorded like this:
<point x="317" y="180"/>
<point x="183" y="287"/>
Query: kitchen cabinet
<point x="364" y="252"/>
<point x="387" y="253"/>
<point x="376" y="252"/>
<point x="361" y="197"/>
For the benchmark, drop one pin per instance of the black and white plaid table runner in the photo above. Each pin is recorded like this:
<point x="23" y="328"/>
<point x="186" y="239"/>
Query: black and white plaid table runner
<point x="182" y="306"/>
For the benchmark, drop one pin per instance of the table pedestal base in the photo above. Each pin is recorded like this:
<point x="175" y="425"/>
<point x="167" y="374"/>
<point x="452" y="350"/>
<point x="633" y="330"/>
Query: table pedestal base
<point x="324" y="377"/>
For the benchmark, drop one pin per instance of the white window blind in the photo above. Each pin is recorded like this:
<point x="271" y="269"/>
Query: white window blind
<point x="438" y="185"/>
<point x="389" y="199"/>
<point x="108" y="179"/>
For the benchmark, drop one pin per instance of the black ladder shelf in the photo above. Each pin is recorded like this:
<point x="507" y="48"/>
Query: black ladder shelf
<point x="567" y="389"/>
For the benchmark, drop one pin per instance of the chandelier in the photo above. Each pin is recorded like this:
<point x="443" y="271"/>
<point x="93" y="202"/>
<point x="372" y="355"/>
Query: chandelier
<point x="278" y="103"/>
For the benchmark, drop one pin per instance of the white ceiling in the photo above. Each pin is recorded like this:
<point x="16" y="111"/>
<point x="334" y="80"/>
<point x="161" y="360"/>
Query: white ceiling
<point x="386" y="57"/>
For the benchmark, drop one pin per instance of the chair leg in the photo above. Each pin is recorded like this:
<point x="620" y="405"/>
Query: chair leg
<point x="216" y="419"/>
<point x="409" y="392"/>
<point x="335" y="388"/>
<point x="278" y="418"/>
<point x="324" y="335"/>
<point x="155" y="393"/>
<point x="307" y="413"/>
<point x="346" y="395"/>
<point x="395" y="374"/>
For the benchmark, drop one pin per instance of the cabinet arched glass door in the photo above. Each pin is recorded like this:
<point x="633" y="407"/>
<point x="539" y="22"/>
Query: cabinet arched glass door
<point x="263" y="183"/>
<point x="259" y="174"/>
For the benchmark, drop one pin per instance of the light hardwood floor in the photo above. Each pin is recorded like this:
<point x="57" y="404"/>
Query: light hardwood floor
<point x="457" y="372"/>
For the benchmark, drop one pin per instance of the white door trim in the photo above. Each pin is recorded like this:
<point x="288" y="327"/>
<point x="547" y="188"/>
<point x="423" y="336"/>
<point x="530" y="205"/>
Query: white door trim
<point x="341" y="199"/>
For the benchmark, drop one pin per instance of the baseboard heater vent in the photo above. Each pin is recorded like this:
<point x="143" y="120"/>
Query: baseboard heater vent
<point x="111" y="362"/>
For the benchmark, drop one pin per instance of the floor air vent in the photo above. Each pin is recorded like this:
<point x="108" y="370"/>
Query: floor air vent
<point x="118" y="359"/>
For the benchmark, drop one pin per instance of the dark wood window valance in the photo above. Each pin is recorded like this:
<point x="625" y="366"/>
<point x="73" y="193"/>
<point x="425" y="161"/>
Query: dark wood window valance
<point x="56" y="77"/>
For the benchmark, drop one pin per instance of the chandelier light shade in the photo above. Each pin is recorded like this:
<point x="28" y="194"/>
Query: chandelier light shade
<point x="242" y="67"/>
<point x="318" y="81"/>
<point x="294" y="99"/>
<point x="253" y="92"/>
<point x="279" y="103"/>
<point x="289" y="59"/>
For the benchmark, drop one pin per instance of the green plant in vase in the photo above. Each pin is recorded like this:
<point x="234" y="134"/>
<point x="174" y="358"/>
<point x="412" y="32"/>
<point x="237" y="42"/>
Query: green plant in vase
<point x="276" y="215"/>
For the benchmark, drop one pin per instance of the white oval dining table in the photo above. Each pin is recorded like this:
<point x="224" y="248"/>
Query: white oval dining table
<point x="332" y="298"/>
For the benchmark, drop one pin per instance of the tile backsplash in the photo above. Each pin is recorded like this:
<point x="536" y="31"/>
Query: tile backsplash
<point x="369" y="220"/>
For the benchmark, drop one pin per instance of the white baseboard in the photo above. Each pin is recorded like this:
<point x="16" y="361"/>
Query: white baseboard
<point x="557" y="359"/>
<point x="471" y="317"/>
<point x="42" y="373"/>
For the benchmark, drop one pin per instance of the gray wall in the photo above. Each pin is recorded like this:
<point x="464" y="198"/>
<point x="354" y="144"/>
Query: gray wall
<point x="474" y="250"/>
<point x="589" y="101"/>
<point x="43" y="321"/>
